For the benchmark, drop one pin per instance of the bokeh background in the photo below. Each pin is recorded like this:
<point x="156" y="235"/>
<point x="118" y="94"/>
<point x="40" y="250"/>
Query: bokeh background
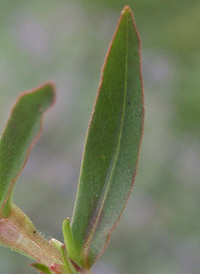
<point x="66" y="41"/>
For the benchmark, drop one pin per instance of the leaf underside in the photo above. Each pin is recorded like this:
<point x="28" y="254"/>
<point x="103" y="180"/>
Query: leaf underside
<point x="112" y="144"/>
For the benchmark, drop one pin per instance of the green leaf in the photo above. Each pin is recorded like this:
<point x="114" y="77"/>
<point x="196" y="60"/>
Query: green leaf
<point x="59" y="269"/>
<point x="112" y="144"/>
<point x="57" y="244"/>
<point x="43" y="269"/>
<point x="68" y="262"/>
<point x="22" y="130"/>
<point x="20" y="134"/>
<point x="69" y="240"/>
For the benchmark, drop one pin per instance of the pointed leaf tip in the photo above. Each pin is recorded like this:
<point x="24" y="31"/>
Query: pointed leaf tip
<point x="126" y="8"/>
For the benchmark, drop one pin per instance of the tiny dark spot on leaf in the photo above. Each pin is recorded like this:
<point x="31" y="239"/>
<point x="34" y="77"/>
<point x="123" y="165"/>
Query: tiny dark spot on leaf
<point x="40" y="109"/>
<point x="34" y="231"/>
<point x="128" y="103"/>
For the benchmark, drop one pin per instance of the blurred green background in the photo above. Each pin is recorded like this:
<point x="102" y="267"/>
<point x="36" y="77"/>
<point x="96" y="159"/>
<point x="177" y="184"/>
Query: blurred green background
<point x="66" y="41"/>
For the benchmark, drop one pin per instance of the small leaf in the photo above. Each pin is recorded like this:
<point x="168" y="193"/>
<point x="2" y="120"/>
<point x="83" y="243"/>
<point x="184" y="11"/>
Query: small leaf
<point x="69" y="240"/>
<point x="73" y="267"/>
<point x="59" y="269"/>
<point x="112" y="145"/>
<point x="57" y="244"/>
<point x="43" y="269"/>
<point x="20" y="134"/>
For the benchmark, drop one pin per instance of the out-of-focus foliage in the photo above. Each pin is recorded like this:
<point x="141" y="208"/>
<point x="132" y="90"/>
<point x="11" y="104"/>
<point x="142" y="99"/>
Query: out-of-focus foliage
<point x="66" y="41"/>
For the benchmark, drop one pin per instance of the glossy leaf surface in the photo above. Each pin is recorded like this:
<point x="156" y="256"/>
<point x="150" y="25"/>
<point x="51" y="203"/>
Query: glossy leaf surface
<point x="112" y="145"/>
<point x="20" y="133"/>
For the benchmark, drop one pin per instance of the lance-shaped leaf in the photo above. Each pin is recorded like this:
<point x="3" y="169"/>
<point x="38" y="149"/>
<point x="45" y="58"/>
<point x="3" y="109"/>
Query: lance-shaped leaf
<point x="20" y="133"/>
<point x="112" y="145"/>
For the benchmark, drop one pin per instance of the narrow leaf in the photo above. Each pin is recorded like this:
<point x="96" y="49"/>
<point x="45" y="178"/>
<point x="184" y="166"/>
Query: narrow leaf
<point x="22" y="130"/>
<point x="112" y="144"/>
<point x="67" y="260"/>
<point x="20" y="134"/>
<point x="69" y="240"/>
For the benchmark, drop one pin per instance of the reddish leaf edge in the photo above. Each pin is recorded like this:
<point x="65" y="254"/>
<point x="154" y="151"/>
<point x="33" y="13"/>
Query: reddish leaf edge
<point x="13" y="181"/>
<point x="126" y="9"/>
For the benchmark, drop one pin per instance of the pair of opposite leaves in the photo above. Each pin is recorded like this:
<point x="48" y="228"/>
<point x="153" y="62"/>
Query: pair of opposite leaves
<point x="110" y="155"/>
